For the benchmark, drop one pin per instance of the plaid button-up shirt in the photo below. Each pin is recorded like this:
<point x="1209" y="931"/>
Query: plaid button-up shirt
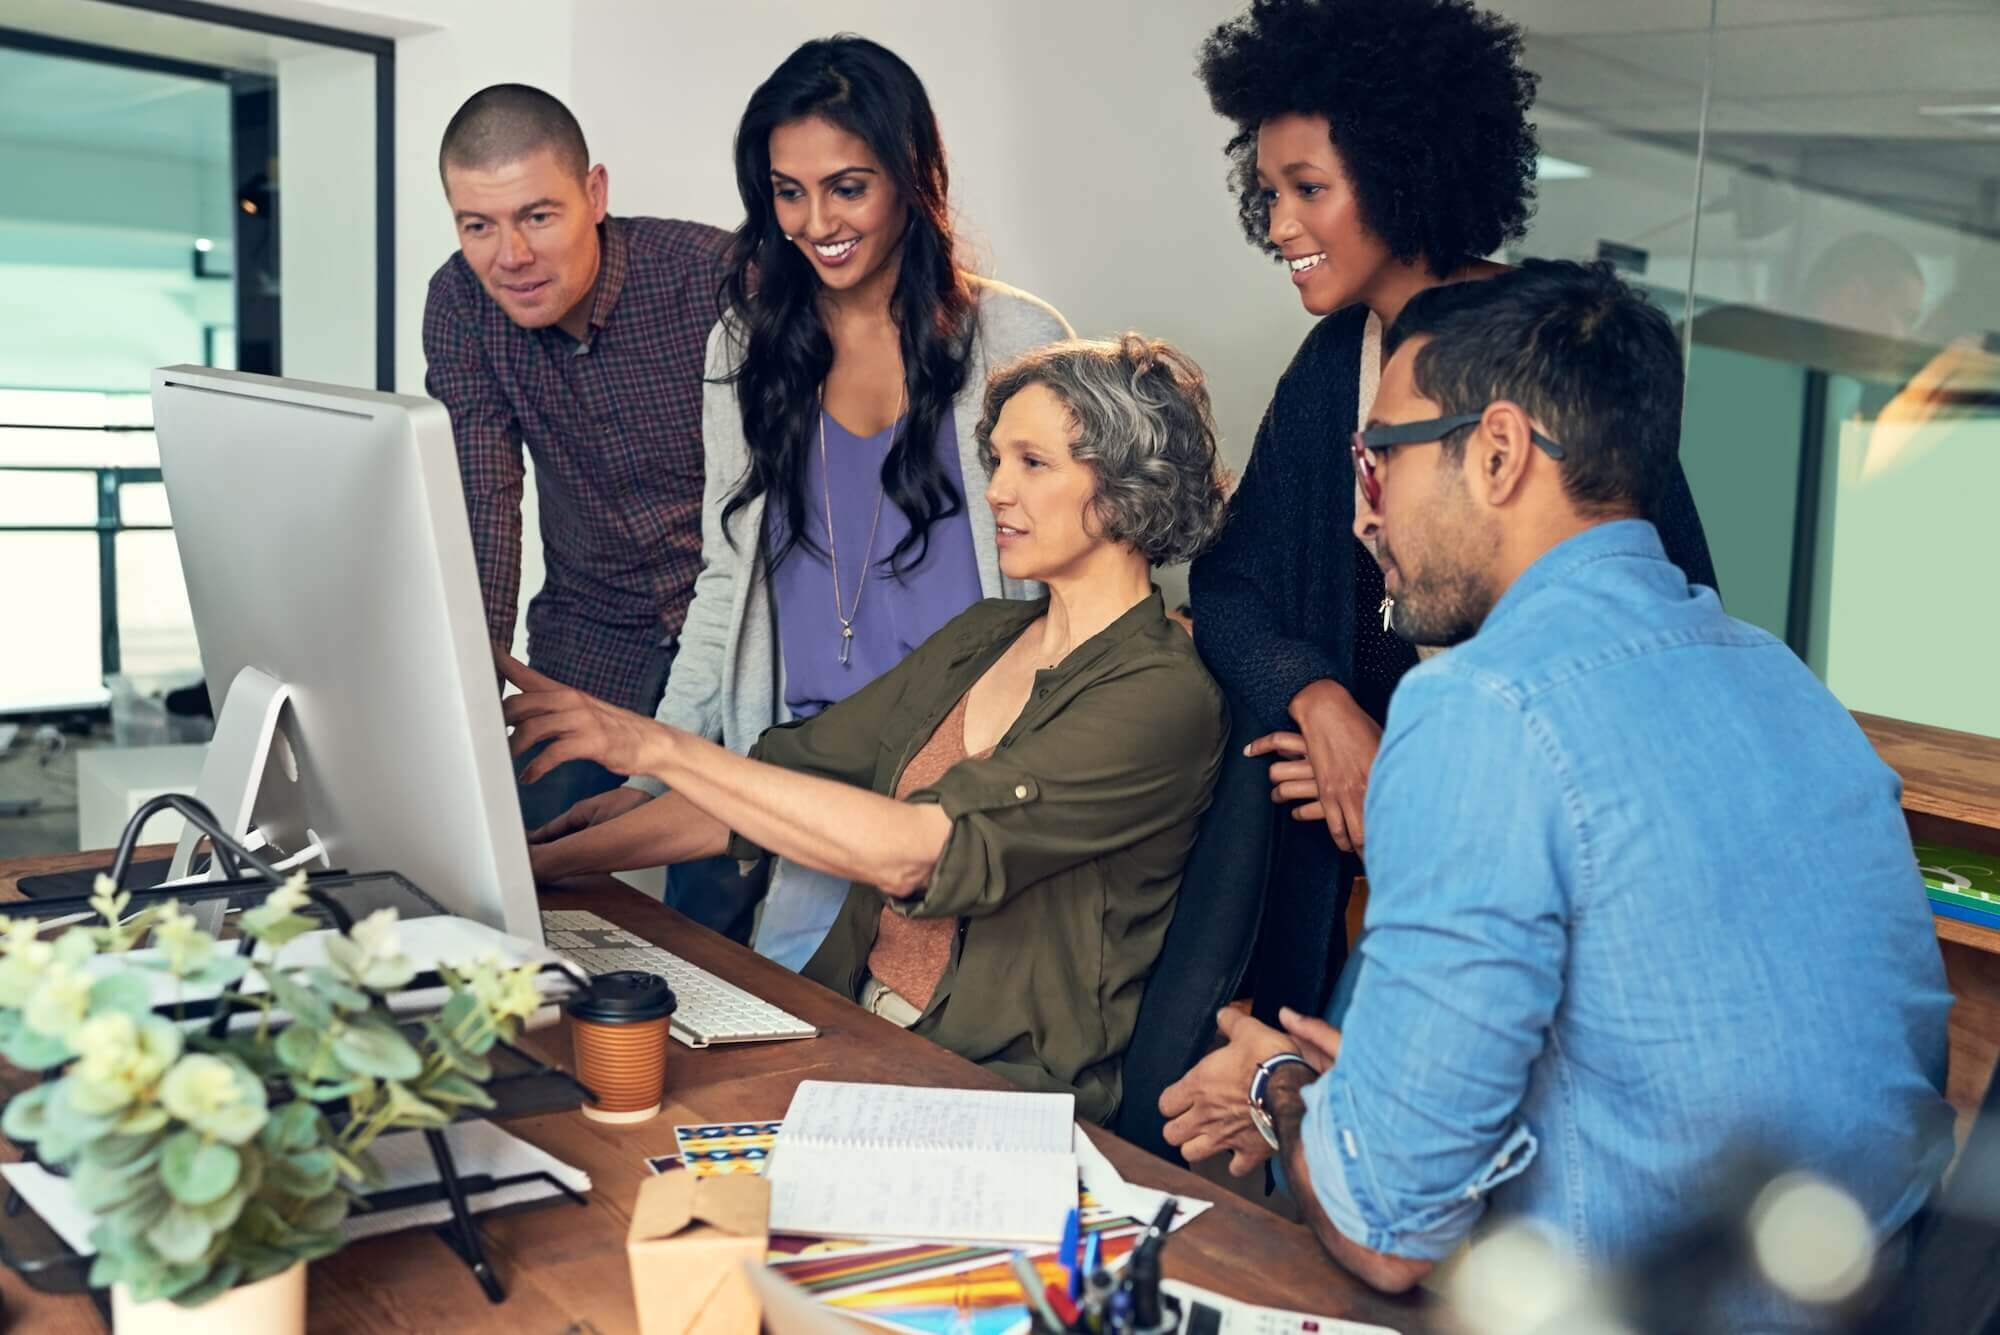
<point x="614" y="424"/>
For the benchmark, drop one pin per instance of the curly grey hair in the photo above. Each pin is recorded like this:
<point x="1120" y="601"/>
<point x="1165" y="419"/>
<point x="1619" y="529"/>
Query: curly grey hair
<point x="1143" y="424"/>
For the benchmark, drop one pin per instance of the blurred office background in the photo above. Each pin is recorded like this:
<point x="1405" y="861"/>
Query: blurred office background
<point x="1816" y="183"/>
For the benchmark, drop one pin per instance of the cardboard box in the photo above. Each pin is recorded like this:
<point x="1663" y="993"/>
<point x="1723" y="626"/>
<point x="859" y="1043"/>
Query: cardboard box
<point x="789" y="1311"/>
<point x="689" y="1239"/>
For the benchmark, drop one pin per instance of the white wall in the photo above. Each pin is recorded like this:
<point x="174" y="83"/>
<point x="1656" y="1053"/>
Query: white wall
<point x="474" y="44"/>
<point x="326" y="227"/>
<point x="1086" y="164"/>
<point x="446" y="50"/>
<point x="1910" y="632"/>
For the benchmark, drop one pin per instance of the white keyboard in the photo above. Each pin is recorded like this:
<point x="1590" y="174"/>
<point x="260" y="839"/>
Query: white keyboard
<point x="708" y="1010"/>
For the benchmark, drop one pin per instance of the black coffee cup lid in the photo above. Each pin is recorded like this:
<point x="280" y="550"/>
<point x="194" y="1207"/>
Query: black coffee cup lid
<point x="630" y="996"/>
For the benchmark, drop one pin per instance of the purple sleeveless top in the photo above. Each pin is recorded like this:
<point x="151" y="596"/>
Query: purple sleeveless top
<point x="897" y="612"/>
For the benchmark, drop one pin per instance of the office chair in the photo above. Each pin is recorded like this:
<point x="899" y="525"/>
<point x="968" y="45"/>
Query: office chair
<point x="1208" y="943"/>
<point x="1951" y="1282"/>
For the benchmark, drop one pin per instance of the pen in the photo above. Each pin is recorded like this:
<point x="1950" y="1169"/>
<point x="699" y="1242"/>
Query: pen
<point x="1072" y="1224"/>
<point x="1064" y="1309"/>
<point x="1143" y="1271"/>
<point x="1097" y="1285"/>
<point x="1033" y="1290"/>
<point x="1145" y="1284"/>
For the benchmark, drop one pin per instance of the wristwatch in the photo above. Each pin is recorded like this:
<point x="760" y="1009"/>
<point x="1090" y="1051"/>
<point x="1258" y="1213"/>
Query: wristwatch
<point x="1260" y="1116"/>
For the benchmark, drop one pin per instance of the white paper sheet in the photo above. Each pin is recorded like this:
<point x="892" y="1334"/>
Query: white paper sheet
<point x="912" y="1117"/>
<point x="1113" y="1192"/>
<point x="51" y="1198"/>
<point x="476" y="1147"/>
<point x="405" y="1160"/>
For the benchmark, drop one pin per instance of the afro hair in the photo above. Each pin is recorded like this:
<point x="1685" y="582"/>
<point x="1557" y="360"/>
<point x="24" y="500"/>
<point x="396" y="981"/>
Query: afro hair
<point x="1428" y="106"/>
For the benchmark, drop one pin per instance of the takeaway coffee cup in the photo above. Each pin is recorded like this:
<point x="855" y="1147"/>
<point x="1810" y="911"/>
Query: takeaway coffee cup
<point x="620" y="1028"/>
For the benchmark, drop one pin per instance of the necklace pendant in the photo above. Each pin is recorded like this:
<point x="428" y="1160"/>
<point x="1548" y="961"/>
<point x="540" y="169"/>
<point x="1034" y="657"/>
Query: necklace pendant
<point x="846" y="642"/>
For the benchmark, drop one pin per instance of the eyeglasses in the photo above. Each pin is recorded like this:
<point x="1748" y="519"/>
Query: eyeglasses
<point x="1376" y="440"/>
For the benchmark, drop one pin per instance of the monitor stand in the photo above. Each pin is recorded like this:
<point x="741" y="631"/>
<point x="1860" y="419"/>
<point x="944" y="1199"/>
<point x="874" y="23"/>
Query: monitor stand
<point x="247" y="738"/>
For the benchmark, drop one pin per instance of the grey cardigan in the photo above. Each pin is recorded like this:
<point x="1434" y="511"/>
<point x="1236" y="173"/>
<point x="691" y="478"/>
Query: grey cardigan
<point x="727" y="682"/>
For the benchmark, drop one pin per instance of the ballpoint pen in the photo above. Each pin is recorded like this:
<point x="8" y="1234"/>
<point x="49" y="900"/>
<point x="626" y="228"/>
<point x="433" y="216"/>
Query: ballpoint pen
<point x="1143" y="1271"/>
<point x="1163" y="1222"/>
<point x="1060" y="1304"/>
<point x="1071" y="1236"/>
<point x="1097" y="1286"/>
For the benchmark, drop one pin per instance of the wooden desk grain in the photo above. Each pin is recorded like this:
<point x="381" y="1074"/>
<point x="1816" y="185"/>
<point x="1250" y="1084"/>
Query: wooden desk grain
<point x="565" y="1268"/>
<point x="1950" y="776"/>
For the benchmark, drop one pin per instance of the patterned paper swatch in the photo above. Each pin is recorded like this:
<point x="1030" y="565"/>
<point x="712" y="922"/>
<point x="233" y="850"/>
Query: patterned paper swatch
<point x="722" y="1148"/>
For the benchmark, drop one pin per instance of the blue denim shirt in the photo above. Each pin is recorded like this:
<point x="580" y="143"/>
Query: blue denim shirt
<point x="1641" y="896"/>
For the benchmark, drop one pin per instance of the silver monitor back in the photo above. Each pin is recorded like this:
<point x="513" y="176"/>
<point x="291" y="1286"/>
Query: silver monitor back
<point x="329" y="566"/>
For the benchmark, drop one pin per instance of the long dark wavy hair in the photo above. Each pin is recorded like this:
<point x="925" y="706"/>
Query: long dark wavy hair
<point x="773" y="292"/>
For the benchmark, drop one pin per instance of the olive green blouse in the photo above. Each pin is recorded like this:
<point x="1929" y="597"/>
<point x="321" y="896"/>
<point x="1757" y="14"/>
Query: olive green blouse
<point x="1066" y="843"/>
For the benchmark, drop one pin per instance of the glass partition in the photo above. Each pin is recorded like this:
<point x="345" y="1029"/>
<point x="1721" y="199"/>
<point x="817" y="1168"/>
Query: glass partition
<point x="1842" y="268"/>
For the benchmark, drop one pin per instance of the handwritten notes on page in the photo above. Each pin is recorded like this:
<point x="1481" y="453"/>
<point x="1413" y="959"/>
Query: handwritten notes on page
<point x="890" y="1161"/>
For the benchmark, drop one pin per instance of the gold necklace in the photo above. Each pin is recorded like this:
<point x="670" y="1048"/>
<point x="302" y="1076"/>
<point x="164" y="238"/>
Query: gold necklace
<point x="846" y="615"/>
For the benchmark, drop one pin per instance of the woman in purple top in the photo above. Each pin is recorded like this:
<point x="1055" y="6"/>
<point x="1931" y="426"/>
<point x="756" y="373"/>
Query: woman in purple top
<point x="845" y="380"/>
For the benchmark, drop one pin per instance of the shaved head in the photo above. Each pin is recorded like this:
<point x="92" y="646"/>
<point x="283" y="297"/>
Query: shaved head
<point x="508" y="122"/>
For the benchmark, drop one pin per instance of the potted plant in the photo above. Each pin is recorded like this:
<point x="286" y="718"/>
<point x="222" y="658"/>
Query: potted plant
<point x="218" y="1161"/>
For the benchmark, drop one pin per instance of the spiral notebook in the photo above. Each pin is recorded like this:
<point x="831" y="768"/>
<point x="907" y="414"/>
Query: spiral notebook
<point x="937" y="1165"/>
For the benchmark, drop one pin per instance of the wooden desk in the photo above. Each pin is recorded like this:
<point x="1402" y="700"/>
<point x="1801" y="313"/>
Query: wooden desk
<point x="1951" y="795"/>
<point x="565" y="1268"/>
<point x="1951" y="780"/>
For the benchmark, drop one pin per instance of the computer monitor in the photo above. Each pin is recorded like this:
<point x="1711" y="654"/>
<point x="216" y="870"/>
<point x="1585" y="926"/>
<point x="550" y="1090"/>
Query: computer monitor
<point x="329" y="566"/>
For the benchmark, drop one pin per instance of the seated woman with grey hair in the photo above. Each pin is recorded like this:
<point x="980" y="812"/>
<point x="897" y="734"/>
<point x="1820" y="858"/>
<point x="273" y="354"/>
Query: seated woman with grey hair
<point x="1014" y="802"/>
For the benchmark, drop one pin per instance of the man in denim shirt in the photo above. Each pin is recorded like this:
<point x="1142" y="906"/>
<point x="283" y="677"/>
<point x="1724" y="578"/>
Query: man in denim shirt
<point x="1642" y="897"/>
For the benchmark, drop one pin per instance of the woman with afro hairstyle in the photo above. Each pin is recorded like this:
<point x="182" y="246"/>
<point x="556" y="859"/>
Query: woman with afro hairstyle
<point x="1381" y="147"/>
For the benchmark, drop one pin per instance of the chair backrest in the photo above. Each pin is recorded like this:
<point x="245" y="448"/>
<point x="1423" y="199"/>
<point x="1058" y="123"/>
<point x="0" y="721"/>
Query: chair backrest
<point x="1208" y="943"/>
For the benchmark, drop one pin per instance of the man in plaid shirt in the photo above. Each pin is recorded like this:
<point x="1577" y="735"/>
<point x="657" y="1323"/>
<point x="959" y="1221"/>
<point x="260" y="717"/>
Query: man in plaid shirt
<point x="581" y="336"/>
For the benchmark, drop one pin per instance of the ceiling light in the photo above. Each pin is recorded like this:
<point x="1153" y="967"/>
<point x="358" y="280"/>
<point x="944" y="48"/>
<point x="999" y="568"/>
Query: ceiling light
<point x="1549" y="168"/>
